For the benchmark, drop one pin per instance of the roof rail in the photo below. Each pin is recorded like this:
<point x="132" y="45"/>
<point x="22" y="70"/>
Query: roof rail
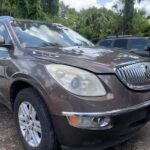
<point x="120" y="36"/>
<point x="57" y="24"/>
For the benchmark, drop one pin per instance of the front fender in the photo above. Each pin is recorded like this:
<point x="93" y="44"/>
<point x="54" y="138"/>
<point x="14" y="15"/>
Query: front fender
<point x="33" y="82"/>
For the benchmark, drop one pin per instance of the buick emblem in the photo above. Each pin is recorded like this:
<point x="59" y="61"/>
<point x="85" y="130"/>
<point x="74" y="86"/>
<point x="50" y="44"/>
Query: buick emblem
<point x="147" y="72"/>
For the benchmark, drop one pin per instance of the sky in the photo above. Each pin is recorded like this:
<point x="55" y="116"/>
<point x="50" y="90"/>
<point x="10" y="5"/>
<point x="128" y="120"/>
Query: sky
<point x="85" y="4"/>
<point x="145" y="5"/>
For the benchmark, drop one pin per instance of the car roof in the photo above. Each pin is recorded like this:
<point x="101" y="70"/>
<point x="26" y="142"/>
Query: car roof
<point x="8" y="18"/>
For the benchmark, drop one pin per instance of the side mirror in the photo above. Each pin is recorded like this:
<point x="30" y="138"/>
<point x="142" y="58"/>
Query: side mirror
<point x="147" y="48"/>
<point x="2" y="40"/>
<point x="3" y="44"/>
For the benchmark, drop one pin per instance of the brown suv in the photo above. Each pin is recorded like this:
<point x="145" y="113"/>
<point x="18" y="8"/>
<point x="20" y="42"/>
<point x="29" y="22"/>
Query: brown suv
<point x="67" y="94"/>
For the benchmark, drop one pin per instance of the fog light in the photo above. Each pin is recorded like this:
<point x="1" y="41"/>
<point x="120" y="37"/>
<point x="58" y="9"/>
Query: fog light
<point x="88" y="122"/>
<point x="104" y="122"/>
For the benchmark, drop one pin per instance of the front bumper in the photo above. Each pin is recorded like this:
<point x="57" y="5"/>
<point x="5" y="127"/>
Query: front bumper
<point x="125" y="123"/>
<point x="128" y="111"/>
<point x="106" y="144"/>
<point x="112" y="112"/>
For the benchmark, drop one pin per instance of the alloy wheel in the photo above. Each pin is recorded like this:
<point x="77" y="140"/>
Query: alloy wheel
<point x="30" y="125"/>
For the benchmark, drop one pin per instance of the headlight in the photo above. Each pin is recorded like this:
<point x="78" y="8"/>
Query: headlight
<point x="77" y="81"/>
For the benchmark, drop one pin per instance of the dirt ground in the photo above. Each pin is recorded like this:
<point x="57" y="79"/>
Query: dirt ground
<point x="9" y="138"/>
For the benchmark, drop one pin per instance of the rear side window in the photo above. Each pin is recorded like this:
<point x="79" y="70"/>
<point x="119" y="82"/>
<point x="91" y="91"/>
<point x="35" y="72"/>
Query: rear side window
<point x="106" y="43"/>
<point x="138" y="44"/>
<point x="121" y="43"/>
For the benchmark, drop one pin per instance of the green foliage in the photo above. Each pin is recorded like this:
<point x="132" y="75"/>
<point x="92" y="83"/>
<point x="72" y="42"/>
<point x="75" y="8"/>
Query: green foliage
<point x="50" y="6"/>
<point x="31" y="9"/>
<point x="97" y="23"/>
<point x="140" y="24"/>
<point x="131" y="21"/>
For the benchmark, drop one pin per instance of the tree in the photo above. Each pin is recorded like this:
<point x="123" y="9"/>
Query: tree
<point x="5" y="7"/>
<point x="50" y="6"/>
<point x="65" y="10"/>
<point x="140" y="24"/>
<point x="32" y="9"/>
<point x="128" y="16"/>
<point x="97" y="23"/>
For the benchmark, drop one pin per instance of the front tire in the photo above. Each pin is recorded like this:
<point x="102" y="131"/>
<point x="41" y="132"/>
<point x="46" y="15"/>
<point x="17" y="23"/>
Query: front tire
<point x="33" y="121"/>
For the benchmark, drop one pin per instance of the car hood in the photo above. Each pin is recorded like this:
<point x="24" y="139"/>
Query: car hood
<point x="98" y="60"/>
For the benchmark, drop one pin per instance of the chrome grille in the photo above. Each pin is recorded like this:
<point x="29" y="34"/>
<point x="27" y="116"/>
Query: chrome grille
<point x="135" y="76"/>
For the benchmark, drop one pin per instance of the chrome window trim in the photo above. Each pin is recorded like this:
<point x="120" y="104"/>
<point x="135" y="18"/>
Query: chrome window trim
<point x="109" y="113"/>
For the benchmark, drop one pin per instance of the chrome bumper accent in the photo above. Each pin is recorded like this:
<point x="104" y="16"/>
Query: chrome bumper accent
<point x="109" y="113"/>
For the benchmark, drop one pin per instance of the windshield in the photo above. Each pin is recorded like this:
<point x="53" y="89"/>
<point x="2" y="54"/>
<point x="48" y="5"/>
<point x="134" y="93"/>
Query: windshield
<point x="35" y="34"/>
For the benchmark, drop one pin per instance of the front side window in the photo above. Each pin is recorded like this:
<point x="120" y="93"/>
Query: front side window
<point x="36" y="34"/>
<point x="121" y="43"/>
<point x="106" y="43"/>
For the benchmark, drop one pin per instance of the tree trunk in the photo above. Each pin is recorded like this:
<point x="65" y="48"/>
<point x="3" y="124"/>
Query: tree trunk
<point x="128" y="14"/>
